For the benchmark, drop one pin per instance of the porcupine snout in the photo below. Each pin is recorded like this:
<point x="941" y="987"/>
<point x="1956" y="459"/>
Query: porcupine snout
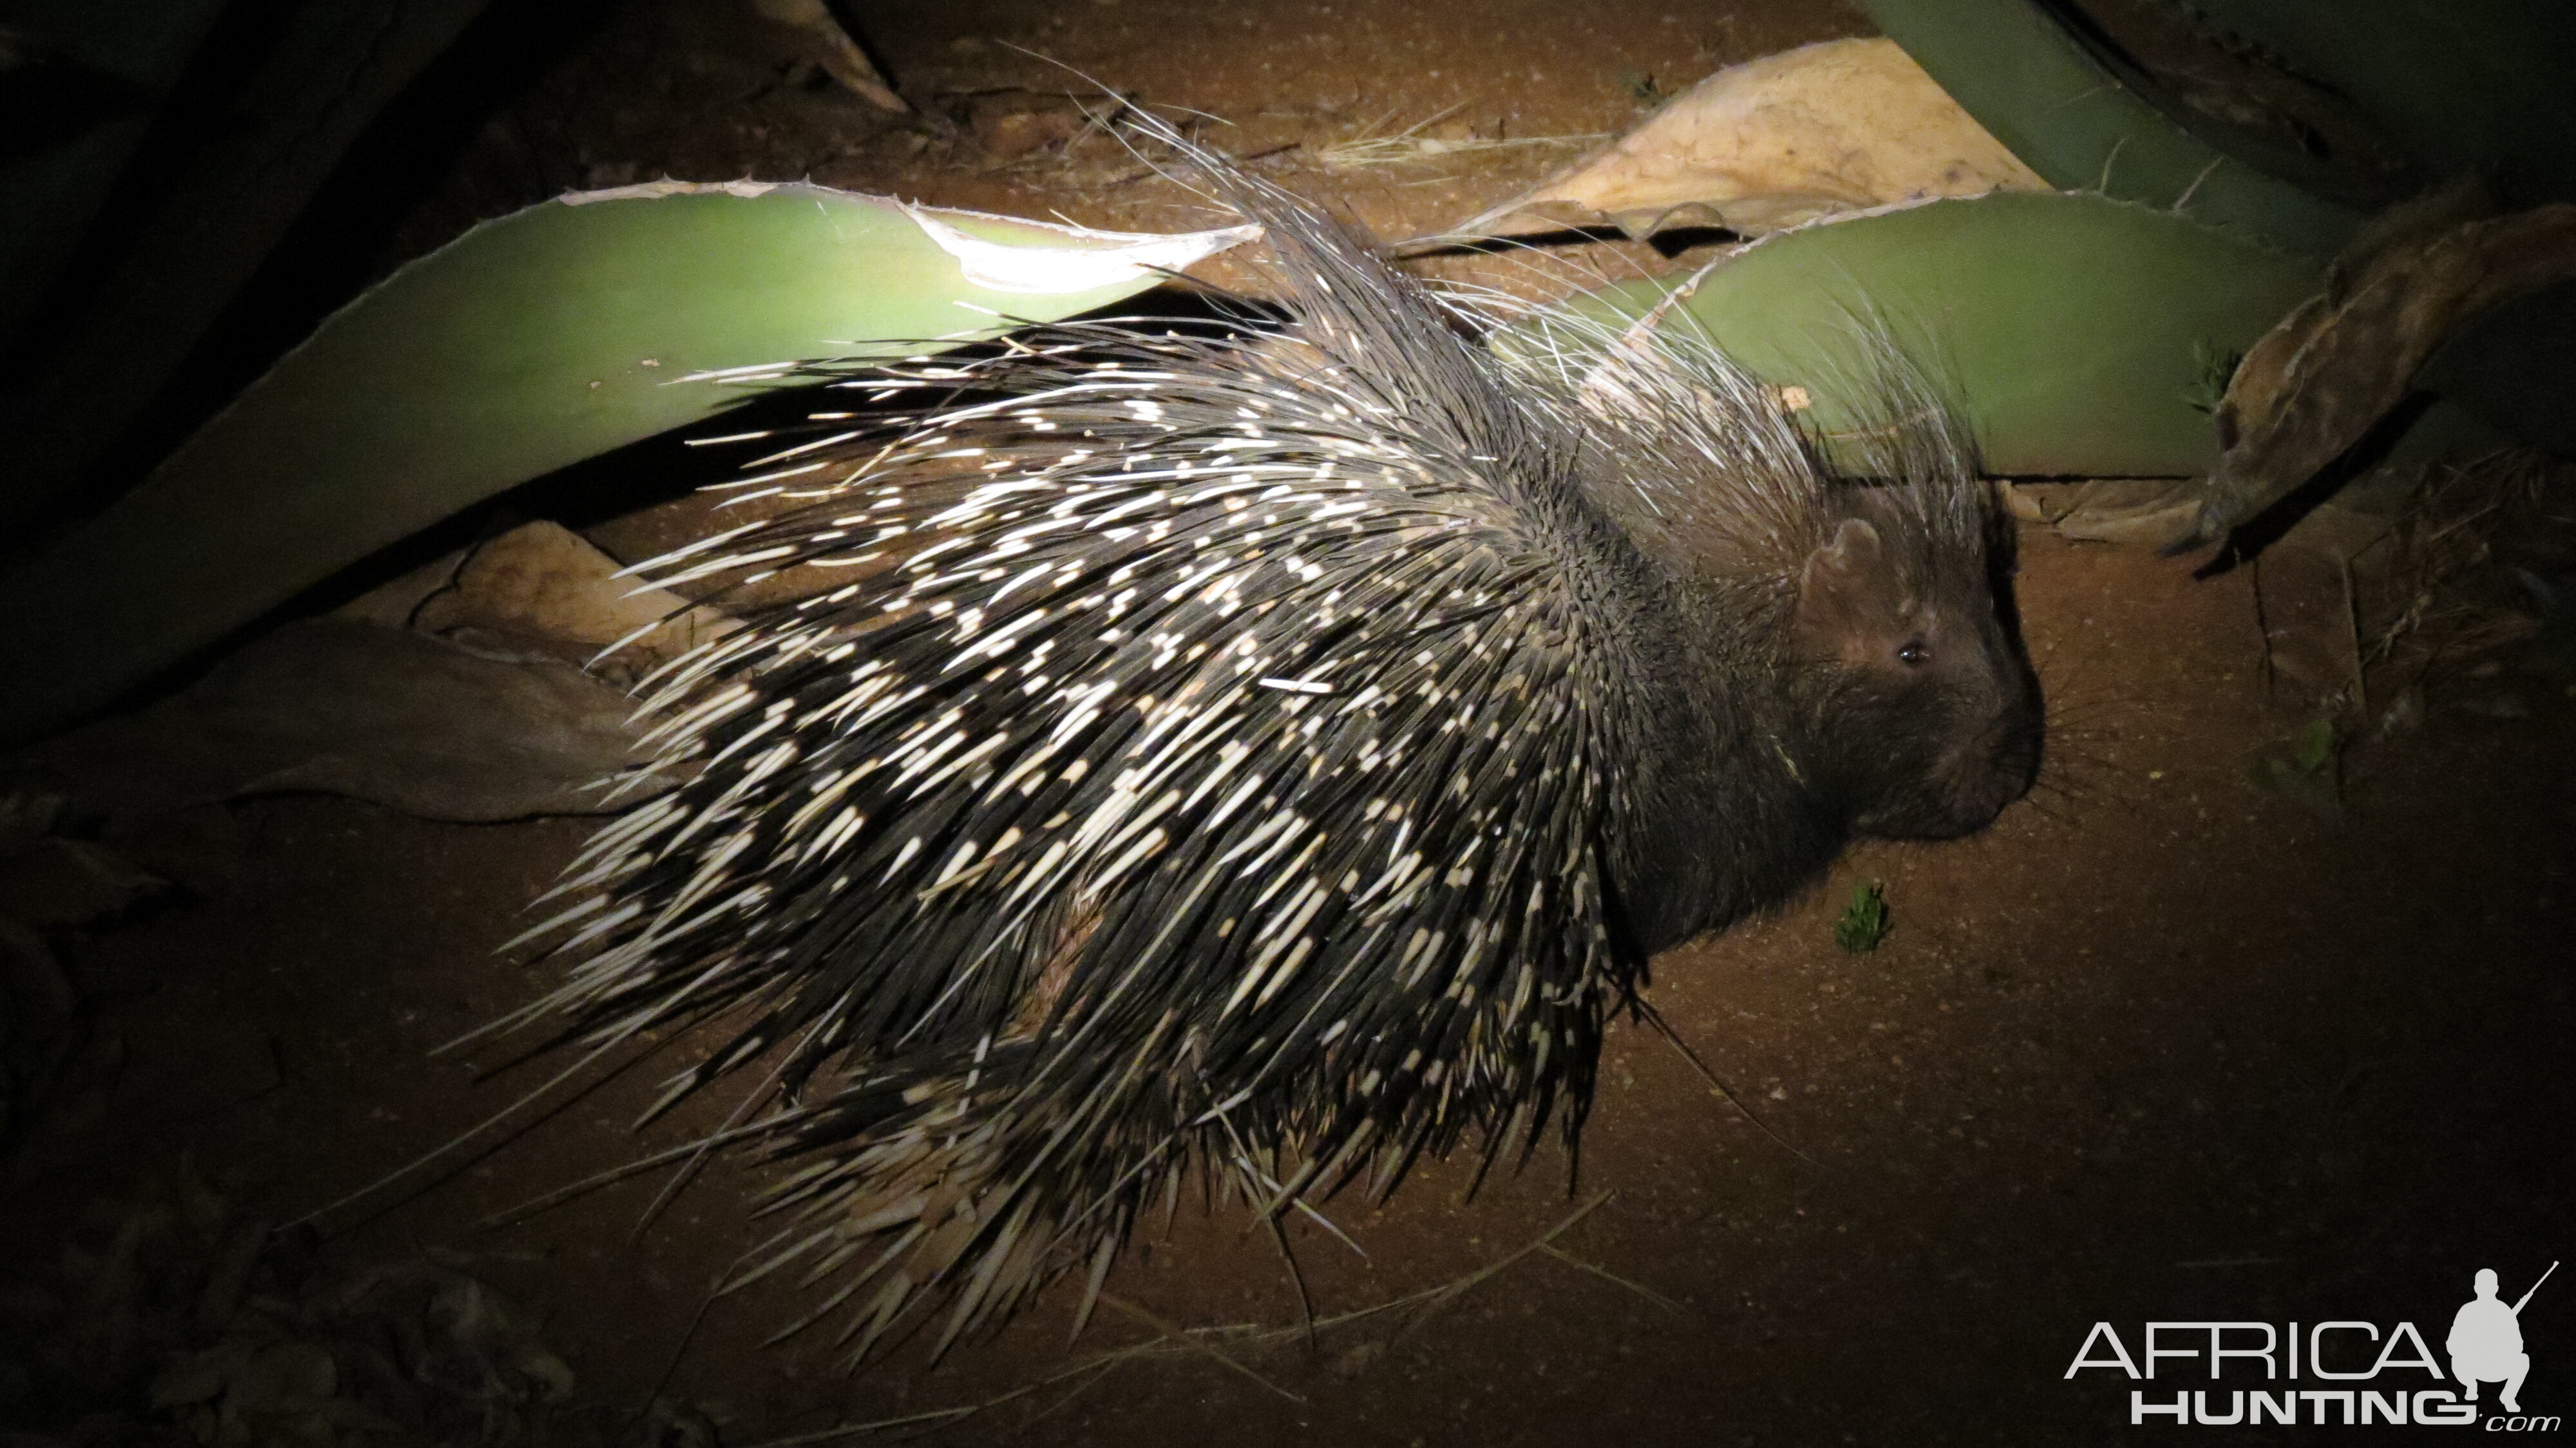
<point x="1957" y="746"/>
<point x="1995" y="757"/>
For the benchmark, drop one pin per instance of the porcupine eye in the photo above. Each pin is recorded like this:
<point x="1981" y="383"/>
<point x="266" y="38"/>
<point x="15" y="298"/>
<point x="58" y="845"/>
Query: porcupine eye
<point x="1915" y="651"/>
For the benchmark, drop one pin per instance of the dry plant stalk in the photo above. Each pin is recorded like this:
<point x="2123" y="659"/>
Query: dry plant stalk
<point x="1368" y="148"/>
<point x="2439" y="610"/>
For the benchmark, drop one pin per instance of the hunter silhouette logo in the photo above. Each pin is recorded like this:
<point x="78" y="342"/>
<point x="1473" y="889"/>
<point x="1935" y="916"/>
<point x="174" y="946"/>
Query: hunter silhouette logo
<point x="2486" y="1341"/>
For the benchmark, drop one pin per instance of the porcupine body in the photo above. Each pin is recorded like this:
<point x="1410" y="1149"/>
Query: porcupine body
<point x="1268" y="756"/>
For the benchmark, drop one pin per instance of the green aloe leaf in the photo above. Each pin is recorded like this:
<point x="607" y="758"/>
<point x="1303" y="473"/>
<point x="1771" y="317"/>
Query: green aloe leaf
<point x="532" y="342"/>
<point x="2459" y="87"/>
<point x="2068" y="117"/>
<point x="2076" y="331"/>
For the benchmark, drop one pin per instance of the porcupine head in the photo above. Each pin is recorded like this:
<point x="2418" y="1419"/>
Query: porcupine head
<point x="1262" y="760"/>
<point x="1829" y="621"/>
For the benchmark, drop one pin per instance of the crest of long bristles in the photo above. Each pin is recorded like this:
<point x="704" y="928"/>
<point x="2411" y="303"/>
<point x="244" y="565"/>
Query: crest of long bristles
<point x="1186" y="749"/>
<point x="1728" y="474"/>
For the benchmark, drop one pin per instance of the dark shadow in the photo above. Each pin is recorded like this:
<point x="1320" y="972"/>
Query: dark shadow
<point x="333" y="250"/>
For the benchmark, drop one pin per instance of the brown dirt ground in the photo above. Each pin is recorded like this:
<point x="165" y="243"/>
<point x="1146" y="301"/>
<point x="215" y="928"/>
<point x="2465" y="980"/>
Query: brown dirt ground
<point x="2158" y="1046"/>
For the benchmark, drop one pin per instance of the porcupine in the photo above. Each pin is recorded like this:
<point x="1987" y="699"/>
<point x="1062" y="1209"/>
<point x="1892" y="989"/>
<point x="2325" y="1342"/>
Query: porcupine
<point x="1272" y="756"/>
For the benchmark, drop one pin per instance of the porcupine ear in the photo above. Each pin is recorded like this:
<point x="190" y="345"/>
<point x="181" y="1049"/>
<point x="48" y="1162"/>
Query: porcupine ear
<point x="1837" y="578"/>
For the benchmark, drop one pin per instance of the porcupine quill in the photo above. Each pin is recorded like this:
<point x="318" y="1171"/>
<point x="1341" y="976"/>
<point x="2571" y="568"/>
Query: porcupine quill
<point x="1193" y="750"/>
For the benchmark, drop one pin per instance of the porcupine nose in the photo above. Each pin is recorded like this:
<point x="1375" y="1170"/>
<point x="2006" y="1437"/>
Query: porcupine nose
<point x="2003" y="763"/>
<point x="2016" y="762"/>
<point x="1992" y="764"/>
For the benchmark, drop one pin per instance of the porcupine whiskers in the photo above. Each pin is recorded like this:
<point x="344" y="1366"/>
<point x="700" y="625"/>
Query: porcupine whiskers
<point x="2076" y="773"/>
<point x="1194" y="752"/>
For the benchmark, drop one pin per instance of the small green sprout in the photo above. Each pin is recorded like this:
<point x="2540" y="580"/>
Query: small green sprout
<point x="2316" y="747"/>
<point x="1865" y="921"/>
<point x="2305" y="771"/>
<point x="2212" y="369"/>
<point x="1641" y="87"/>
